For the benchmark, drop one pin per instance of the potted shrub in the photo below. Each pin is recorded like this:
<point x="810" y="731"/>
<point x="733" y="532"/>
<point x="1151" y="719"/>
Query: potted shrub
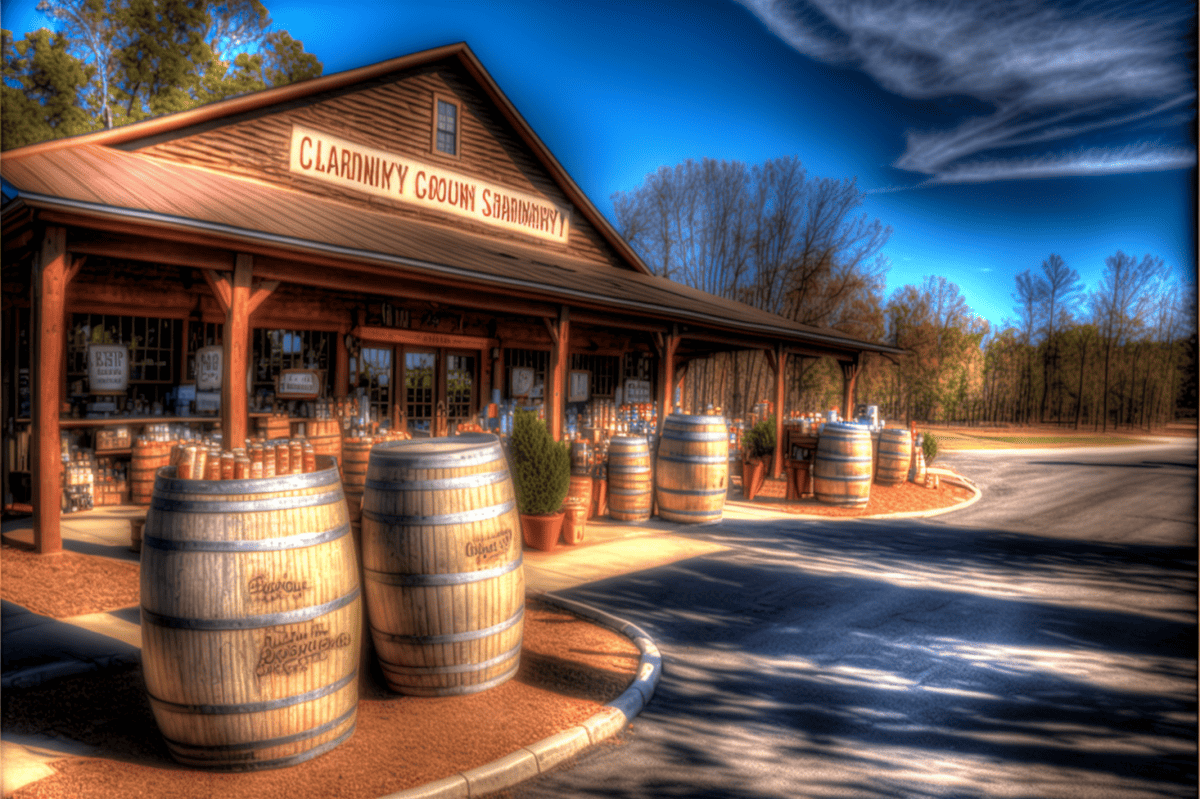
<point x="757" y="445"/>
<point x="541" y="471"/>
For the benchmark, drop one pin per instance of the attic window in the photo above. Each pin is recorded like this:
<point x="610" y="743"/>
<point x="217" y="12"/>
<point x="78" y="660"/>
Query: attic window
<point x="445" y="121"/>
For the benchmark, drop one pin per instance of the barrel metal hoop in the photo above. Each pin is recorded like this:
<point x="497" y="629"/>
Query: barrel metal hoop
<point x="262" y="765"/>
<point x="453" y="638"/>
<point x="857" y="478"/>
<point x="694" y="492"/>
<point x="259" y="545"/>
<point x="706" y="514"/>
<point x="693" y="458"/>
<point x="250" y="622"/>
<point x="689" y="419"/>
<point x="459" y="690"/>
<point x="628" y="469"/>
<point x="247" y="506"/>
<point x="829" y="456"/>
<point x="629" y="492"/>
<point x="696" y="435"/>
<point x="462" y="517"/>
<point x="268" y="743"/>
<point x="458" y="668"/>
<point x="258" y="707"/>
<point x="404" y="455"/>
<point x="451" y="578"/>
<point x="443" y="484"/>
<point x="167" y="482"/>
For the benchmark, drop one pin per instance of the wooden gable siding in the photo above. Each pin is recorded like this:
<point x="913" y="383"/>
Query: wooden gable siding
<point x="392" y="114"/>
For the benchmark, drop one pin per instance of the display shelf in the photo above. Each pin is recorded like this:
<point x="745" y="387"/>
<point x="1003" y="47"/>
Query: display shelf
<point x="137" y="420"/>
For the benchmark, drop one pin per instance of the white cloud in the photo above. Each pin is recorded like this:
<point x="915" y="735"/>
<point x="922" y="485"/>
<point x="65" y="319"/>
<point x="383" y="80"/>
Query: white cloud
<point x="1050" y="74"/>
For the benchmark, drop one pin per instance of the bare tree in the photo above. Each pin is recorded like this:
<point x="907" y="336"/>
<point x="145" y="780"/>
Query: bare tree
<point x="1060" y="292"/>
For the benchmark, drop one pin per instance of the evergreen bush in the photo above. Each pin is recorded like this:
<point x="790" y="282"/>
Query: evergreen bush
<point x="759" y="440"/>
<point x="929" y="448"/>
<point x="541" y="466"/>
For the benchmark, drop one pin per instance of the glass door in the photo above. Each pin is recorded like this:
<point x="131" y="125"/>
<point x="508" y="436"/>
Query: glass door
<point x="420" y="388"/>
<point x="460" y="387"/>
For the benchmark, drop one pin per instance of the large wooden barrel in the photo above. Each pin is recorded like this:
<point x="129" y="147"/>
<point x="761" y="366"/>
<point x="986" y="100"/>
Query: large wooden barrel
<point x="441" y="547"/>
<point x="355" y="454"/>
<point x="251" y="617"/>
<point x="326" y="437"/>
<point x="692" y="473"/>
<point x="630" y="483"/>
<point x="842" y="466"/>
<point x="148" y="457"/>
<point x="895" y="456"/>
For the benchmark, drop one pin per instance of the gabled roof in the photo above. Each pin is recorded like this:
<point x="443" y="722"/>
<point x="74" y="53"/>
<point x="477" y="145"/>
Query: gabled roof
<point x="99" y="177"/>
<point x="128" y="135"/>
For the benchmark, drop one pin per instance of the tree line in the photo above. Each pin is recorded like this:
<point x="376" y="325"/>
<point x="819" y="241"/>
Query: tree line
<point x="113" y="62"/>
<point x="1121" y="354"/>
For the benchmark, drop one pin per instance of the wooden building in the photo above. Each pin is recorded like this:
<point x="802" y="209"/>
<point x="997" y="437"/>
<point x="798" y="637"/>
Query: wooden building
<point x="397" y="228"/>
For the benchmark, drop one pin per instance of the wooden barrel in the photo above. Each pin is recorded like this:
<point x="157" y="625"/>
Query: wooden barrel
<point x="574" y="519"/>
<point x="630" y="484"/>
<point x="355" y="454"/>
<point x="275" y="426"/>
<point x="326" y="438"/>
<point x="894" y="456"/>
<point x="581" y="489"/>
<point x="692" y="473"/>
<point x="441" y="547"/>
<point x="148" y="457"/>
<point x="251" y="617"/>
<point x="842" y="466"/>
<point x="916" y="471"/>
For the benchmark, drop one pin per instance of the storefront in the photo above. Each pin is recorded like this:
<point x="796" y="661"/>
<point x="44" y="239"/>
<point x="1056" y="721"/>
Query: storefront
<point x="391" y="246"/>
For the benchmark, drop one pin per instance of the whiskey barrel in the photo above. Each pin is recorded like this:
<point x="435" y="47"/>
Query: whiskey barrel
<point x="842" y="466"/>
<point x="355" y="454"/>
<point x="251" y="616"/>
<point x="895" y="456"/>
<point x="692" y="473"/>
<point x="147" y="458"/>
<point x="630" y="484"/>
<point x="441" y="549"/>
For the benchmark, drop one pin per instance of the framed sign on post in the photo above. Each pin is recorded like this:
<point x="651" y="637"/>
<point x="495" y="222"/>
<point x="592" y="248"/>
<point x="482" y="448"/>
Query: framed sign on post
<point x="521" y="383"/>
<point x="208" y="367"/>
<point x="579" y="387"/>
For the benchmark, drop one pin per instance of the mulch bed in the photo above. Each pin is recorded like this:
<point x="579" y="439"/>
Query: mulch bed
<point x="569" y="668"/>
<point x="67" y="583"/>
<point x="904" y="498"/>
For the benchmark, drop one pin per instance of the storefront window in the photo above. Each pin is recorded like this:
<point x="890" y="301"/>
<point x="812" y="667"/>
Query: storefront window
<point x="154" y="350"/>
<point x="419" y="385"/>
<point x="372" y="370"/>
<point x="276" y="350"/>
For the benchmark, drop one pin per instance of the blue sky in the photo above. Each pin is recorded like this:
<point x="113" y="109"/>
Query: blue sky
<point x="987" y="134"/>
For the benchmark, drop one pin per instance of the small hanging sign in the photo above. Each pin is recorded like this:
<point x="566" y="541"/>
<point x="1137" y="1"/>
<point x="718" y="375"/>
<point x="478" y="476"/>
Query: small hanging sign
<point x="298" y="384"/>
<point x="580" y="386"/>
<point x="108" y="368"/>
<point x="208" y="367"/>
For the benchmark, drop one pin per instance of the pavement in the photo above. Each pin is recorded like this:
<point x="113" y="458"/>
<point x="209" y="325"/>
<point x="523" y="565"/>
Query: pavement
<point x="36" y="648"/>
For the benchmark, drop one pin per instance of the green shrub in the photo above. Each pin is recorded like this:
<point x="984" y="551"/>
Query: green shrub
<point x="929" y="447"/>
<point x="541" y="466"/>
<point x="759" y="440"/>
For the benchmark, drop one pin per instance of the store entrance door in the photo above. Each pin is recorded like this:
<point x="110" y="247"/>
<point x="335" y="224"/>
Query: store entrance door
<point x="440" y="388"/>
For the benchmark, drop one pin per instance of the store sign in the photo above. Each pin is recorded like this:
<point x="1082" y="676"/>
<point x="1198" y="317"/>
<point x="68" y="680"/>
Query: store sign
<point x="208" y="367"/>
<point x="355" y="166"/>
<point x="578" y="388"/>
<point x="108" y="368"/>
<point x="298" y="384"/>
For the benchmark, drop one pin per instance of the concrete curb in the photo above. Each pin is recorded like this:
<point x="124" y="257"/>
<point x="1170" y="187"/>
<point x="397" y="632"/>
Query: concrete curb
<point x="544" y="755"/>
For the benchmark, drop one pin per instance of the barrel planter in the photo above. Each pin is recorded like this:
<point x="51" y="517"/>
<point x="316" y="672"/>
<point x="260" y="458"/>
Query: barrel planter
<point x="147" y="458"/>
<point x="251" y="612"/>
<point x="692" y="471"/>
<point x="441" y="548"/>
<point x="630" y="483"/>
<point x="894" y="456"/>
<point x="842" y="465"/>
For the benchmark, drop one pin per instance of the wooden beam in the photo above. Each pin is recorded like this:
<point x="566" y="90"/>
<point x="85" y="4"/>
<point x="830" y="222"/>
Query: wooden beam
<point x="221" y="289"/>
<point x="666" y="373"/>
<point x="849" y="378"/>
<point x="551" y="329"/>
<point x="260" y="293"/>
<point x="50" y="293"/>
<point x="149" y="248"/>
<point x="234" y="411"/>
<point x="556" y="375"/>
<point x="341" y="367"/>
<point x="780" y="366"/>
<point x="422" y="338"/>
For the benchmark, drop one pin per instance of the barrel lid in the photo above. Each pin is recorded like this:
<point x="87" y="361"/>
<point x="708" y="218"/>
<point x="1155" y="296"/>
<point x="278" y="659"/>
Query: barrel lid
<point x="449" y="451"/>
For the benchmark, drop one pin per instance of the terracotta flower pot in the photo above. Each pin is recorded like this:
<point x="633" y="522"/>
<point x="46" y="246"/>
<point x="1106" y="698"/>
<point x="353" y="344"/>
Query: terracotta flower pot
<point x="542" y="531"/>
<point x="754" y="474"/>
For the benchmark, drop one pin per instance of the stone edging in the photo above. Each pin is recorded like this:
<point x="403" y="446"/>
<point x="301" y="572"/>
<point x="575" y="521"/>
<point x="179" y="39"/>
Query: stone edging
<point x="544" y="755"/>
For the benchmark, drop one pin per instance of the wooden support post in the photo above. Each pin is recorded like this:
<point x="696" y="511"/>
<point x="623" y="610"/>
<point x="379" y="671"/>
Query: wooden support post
<point x="849" y="377"/>
<point x="341" y="365"/>
<point x="780" y="400"/>
<point x="666" y="373"/>
<point x="556" y="377"/>
<point x="234" y="415"/>
<point x="50" y="293"/>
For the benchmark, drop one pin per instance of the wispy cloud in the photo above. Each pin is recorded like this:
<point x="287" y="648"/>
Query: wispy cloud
<point x="1051" y="74"/>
